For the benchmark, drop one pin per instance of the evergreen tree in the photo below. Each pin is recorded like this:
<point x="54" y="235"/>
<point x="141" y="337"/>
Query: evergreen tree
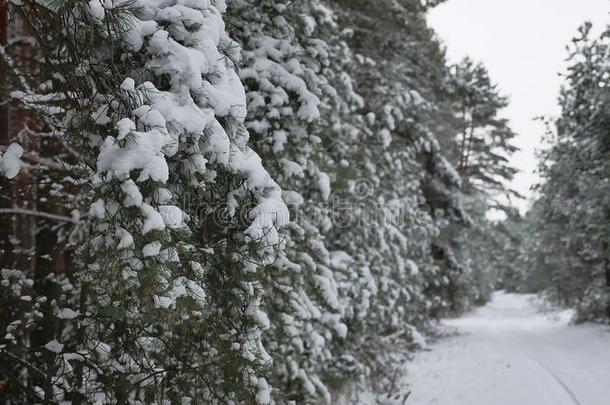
<point x="484" y="139"/>
<point x="569" y="255"/>
<point x="282" y="70"/>
<point x="480" y="150"/>
<point x="165" y="299"/>
<point x="388" y="75"/>
<point x="252" y="201"/>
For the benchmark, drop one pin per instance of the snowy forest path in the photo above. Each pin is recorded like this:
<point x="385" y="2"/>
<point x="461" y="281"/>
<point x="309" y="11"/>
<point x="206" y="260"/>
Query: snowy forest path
<point x="510" y="353"/>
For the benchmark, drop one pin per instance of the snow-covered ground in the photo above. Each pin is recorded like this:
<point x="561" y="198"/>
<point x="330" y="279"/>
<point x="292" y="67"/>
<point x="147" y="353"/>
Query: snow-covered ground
<point x="508" y="353"/>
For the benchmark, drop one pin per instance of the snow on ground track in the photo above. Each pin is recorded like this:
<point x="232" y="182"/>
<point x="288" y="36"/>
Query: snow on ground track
<point x="508" y="353"/>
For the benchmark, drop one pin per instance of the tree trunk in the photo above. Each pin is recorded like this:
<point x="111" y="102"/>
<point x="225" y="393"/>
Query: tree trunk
<point x="4" y="101"/>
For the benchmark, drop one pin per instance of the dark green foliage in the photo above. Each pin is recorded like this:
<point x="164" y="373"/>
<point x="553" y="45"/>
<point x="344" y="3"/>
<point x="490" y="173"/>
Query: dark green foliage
<point x="567" y="256"/>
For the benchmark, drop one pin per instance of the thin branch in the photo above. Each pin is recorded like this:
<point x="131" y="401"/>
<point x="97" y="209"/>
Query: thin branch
<point x="11" y="64"/>
<point x="56" y="217"/>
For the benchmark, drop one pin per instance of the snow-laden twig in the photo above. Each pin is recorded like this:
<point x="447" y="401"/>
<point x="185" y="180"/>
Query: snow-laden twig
<point x="11" y="64"/>
<point x="20" y="211"/>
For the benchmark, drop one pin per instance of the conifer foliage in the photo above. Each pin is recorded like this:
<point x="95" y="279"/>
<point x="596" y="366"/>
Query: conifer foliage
<point x="568" y="256"/>
<point x="210" y="201"/>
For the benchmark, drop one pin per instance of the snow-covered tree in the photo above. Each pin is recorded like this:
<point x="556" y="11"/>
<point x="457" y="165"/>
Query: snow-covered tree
<point x="484" y="138"/>
<point x="388" y="73"/>
<point x="569" y="254"/>
<point x="168" y="301"/>
<point x="282" y="70"/>
<point x="235" y="201"/>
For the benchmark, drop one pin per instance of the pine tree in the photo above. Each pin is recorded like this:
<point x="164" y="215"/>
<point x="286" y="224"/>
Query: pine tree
<point x="480" y="150"/>
<point x="282" y="70"/>
<point x="484" y="140"/>
<point x="166" y="300"/>
<point x="570" y="254"/>
<point x="252" y="201"/>
<point x="387" y="78"/>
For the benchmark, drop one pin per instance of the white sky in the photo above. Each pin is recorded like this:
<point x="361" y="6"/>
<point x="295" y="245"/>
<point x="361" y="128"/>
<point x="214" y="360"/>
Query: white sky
<point x="522" y="43"/>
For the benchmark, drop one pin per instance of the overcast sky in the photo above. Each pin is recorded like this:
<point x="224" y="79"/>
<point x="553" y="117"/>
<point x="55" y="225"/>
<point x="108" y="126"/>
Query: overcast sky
<point x="522" y="43"/>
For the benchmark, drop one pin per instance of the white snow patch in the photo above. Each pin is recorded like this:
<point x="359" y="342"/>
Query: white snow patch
<point x="153" y="219"/>
<point x="324" y="185"/>
<point x="263" y="394"/>
<point x="98" y="209"/>
<point x="152" y="249"/>
<point x="10" y="163"/>
<point x="66" y="313"/>
<point x="509" y="352"/>
<point x="54" y="346"/>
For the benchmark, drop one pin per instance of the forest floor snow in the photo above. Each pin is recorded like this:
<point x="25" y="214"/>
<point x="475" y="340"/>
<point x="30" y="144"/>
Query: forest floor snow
<point x="511" y="353"/>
